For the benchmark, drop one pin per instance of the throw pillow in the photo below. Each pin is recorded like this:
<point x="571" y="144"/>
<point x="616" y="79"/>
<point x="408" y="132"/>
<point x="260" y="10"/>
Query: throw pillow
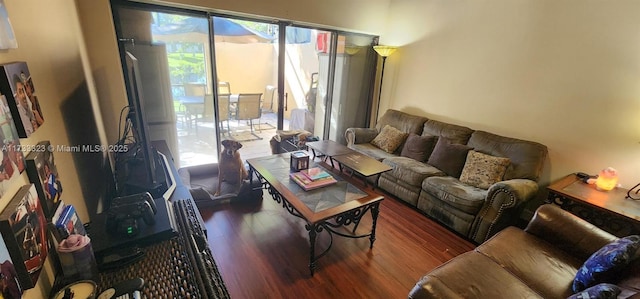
<point x="389" y="139"/>
<point x="482" y="170"/>
<point x="449" y="157"/>
<point x="606" y="263"/>
<point x="418" y="147"/>
<point x="599" y="291"/>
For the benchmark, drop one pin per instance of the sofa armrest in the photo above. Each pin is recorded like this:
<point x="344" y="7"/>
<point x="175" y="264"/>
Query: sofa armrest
<point x="568" y="232"/>
<point x="501" y="207"/>
<point x="359" y="135"/>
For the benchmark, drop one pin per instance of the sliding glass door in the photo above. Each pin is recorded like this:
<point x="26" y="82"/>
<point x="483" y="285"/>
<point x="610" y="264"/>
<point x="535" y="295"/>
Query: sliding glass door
<point x="246" y="69"/>
<point x="351" y="92"/>
<point x="210" y="77"/>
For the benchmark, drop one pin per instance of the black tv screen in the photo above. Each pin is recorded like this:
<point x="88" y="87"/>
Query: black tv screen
<point x="139" y="166"/>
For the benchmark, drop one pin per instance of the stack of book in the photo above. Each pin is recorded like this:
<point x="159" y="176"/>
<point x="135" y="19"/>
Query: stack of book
<point x="312" y="178"/>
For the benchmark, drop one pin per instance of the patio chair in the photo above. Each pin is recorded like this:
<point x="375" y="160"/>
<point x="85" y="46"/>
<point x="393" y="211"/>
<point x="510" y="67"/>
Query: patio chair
<point x="269" y="97"/>
<point x="195" y="89"/>
<point x="207" y="112"/>
<point x="191" y="104"/>
<point x="224" y="87"/>
<point x="267" y="103"/>
<point x="249" y="108"/>
<point x="224" y="111"/>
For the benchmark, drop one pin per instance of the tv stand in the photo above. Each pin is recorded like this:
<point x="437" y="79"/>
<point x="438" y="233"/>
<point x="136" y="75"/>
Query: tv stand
<point x="179" y="267"/>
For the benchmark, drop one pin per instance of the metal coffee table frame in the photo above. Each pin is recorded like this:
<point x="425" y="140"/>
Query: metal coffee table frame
<point x="321" y="221"/>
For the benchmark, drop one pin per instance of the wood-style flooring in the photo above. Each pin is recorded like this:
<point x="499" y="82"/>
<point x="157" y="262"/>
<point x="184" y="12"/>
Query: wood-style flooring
<point x="263" y="252"/>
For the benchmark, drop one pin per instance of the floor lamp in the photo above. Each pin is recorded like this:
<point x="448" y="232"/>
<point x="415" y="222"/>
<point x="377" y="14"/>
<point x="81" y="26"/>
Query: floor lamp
<point x="383" y="51"/>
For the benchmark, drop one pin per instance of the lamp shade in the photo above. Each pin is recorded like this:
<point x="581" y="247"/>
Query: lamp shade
<point x="385" y="51"/>
<point x="352" y="50"/>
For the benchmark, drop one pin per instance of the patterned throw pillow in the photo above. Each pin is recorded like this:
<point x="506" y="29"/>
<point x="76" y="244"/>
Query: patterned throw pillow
<point x="449" y="157"/>
<point x="418" y="147"/>
<point x="482" y="170"/>
<point x="389" y="139"/>
<point x="606" y="263"/>
<point x="599" y="291"/>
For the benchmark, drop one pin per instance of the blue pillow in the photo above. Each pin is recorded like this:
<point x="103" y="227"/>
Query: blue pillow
<point x="607" y="262"/>
<point x="599" y="291"/>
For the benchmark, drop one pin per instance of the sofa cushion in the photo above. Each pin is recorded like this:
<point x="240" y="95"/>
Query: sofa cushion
<point x="371" y="151"/>
<point x="543" y="266"/>
<point x="418" y="147"/>
<point x="456" y="194"/>
<point x="471" y="275"/>
<point x="410" y="171"/>
<point x="527" y="157"/>
<point x="482" y="171"/>
<point x="606" y="263"/>
<point x="599" y="291"/>
<point x="402" y="121"/>
<point x="449" y="157"/>
<point x="389" y="139"/>
<point x="455" y="133"/>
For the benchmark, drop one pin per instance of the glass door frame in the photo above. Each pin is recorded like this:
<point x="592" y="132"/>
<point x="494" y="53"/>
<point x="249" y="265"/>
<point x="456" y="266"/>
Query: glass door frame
<point x="282" y="27"/>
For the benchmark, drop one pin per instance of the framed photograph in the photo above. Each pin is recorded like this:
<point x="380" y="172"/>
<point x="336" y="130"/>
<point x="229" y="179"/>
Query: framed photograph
<point x="8" y="275"/>
<point x="17" y="86"/>
<point x="12" y="160"/>
<point x="23" y="229"/>
<point x="42" y="172"/>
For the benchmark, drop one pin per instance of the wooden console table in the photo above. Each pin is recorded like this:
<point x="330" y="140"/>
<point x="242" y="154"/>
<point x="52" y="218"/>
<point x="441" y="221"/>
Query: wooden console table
<point x="609" y="210"/>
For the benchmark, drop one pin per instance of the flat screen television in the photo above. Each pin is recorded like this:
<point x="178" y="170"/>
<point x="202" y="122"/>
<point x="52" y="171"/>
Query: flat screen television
<point x="139" y="169"/>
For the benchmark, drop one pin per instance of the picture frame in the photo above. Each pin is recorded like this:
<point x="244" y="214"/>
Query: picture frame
<point x="23" y="228"/>
<point x="9" y="276"/>
<point x="17" y="86"/>
<point x="43" y="173"/>
<point x="12" y="161"/>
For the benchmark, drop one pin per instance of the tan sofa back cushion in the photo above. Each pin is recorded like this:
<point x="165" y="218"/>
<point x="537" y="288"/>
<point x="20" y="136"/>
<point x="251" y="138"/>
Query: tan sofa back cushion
<point x="402" y="121"/>
<point x="527" y="157"/>
<point x="456" y="134"/>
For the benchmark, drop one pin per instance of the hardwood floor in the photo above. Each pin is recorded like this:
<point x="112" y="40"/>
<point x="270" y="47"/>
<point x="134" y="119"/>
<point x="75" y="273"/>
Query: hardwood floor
<point x="262" y="252"/>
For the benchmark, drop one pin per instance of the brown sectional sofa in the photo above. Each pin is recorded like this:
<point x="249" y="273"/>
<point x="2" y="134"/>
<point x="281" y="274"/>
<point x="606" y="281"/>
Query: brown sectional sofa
<point x="473" y="212"/>
<point x="538" y="262"/>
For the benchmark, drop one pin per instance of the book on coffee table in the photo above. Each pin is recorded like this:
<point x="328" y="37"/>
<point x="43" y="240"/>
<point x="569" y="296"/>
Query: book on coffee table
<point x="315" y="173"/>
<point x="308" y="184"/>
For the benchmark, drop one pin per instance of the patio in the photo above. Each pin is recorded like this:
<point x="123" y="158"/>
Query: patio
<point x="246" y="62"/>
<point x="200" y="147"/>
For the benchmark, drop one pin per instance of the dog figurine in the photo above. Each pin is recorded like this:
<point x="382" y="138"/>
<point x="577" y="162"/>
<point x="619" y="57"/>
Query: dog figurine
<point x="230" y="167"/>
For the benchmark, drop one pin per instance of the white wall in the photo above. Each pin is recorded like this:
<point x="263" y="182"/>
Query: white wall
<point x="562" y="73"/>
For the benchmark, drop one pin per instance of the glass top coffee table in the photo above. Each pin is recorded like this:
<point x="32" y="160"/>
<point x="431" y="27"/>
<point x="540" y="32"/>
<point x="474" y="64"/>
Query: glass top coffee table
<point x="325" y="209"/>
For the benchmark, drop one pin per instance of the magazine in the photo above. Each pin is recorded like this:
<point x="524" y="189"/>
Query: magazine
<point x="315" y="173"/>
<point x="308" y="184"/>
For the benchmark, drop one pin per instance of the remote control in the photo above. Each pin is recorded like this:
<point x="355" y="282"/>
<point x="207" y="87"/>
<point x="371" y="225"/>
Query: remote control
<point x="124" y="289"/>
